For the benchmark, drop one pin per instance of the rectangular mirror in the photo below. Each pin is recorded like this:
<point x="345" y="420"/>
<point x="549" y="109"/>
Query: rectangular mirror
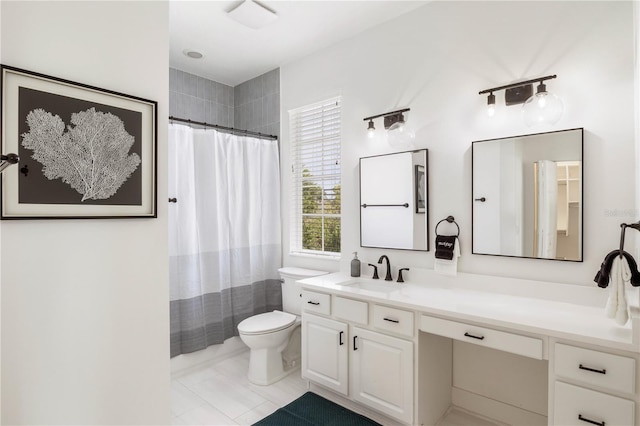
<point x="394" y="201"/>
<point x="527" y="196"/>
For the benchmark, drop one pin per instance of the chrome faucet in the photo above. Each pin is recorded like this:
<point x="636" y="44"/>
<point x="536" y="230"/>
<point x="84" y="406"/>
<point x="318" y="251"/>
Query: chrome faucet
<point x="388" y="277"/>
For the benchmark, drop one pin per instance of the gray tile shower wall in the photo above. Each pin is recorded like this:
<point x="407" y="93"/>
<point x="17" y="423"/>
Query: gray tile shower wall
<point x="252" y="105"/>
<point x="257" y="104"/>
<point x="198" y="99"/>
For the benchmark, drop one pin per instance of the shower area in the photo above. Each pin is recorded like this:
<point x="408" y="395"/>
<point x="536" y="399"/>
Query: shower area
<point x="224" y="211"/>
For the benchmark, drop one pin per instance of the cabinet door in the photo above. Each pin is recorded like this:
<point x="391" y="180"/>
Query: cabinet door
<point x="325" y="353"/>
<point x="382" y="373"/>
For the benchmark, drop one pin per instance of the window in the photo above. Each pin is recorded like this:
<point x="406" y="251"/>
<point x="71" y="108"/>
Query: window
<point x="315" y="187"/>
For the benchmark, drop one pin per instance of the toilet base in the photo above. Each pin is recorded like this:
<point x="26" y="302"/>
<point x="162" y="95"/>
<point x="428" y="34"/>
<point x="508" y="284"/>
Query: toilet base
<point x="266" y="367"/>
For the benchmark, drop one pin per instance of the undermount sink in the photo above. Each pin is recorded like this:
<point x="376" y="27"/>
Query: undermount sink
<point x="377" y="286"/>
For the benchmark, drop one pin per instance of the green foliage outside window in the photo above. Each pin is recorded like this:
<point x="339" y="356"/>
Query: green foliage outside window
<point x="320" y="231"/>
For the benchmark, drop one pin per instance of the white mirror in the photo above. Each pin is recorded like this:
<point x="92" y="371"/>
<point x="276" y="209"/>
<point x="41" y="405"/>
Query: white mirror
<point x="394" y="201"/>
<point x="527" y="196"/>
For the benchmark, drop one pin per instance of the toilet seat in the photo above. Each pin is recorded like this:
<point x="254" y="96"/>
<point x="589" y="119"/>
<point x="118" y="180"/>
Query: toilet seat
<point x="269" y="322"/>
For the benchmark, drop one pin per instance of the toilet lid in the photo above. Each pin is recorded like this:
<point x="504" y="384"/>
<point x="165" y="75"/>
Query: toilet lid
<point x="266" y="323"/>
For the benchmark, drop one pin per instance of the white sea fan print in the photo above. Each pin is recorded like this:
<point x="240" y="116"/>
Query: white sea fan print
<point x="92" y="156"/>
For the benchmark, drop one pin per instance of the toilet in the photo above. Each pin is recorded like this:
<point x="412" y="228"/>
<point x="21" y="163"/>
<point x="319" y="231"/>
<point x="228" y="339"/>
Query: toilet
<point x="274" y="337"/>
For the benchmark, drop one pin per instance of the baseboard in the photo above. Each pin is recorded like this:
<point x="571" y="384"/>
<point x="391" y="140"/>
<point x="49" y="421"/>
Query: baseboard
<point x="351" y="405"/>
<point x="184" y="363"/>
<point x="495" y="410"/>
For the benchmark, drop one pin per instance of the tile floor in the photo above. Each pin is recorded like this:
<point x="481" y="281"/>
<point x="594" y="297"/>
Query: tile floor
<point x="220" y="394"/>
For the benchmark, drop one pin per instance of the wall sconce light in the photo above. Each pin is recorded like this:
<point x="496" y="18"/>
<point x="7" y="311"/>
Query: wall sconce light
<point x="393" y="121"/>
<point x="491" y="105"/>
<point x="539" y="108"/>
<point x="371" y="130"/>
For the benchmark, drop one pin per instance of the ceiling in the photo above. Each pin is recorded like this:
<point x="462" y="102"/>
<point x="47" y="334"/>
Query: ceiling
<point x="234" y="53"/>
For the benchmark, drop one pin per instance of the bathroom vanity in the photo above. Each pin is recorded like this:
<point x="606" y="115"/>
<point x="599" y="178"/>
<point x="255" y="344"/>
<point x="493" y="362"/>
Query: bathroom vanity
<point x="389" y="346"/>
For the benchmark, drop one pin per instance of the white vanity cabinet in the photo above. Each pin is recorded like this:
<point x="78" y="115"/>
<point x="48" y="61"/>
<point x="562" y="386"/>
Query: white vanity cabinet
<point x="368" y="361"/>
<point x="592" y="386"/>
<point x="410" y="352"/>
<point x="381" y="370"/>
<point x="325" y="352"/>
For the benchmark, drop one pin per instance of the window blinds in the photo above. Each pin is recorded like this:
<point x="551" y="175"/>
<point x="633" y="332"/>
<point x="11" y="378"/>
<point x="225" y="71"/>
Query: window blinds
<point x="315" y="183"/>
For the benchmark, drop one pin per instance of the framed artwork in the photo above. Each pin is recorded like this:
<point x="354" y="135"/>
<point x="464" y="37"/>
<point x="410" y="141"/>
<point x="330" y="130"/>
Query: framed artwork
<point x="85" y="152"/>
<point x="420" y="189"/>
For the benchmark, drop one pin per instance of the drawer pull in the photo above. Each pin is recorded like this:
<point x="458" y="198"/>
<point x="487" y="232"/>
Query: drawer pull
<point x="582" y="367"/>
<point x="474" y="337"/>
<point x="355" y="348"/>
<point x="313" y="303"/>
<point x="341" y="341"/>
<point x="395" y="321"/>
<point x="593" y="422"/>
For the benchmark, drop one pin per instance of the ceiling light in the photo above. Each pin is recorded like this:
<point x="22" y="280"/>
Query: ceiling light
<point x="192" y="54"/>
<point x="252" y="14"/>
<point x="541" y="108"/>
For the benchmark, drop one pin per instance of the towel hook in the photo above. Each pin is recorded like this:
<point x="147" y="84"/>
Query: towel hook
<point x="449" y="219"/>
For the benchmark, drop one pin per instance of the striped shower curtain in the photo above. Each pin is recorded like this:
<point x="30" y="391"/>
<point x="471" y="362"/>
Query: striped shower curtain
<point x="224" y="234"/>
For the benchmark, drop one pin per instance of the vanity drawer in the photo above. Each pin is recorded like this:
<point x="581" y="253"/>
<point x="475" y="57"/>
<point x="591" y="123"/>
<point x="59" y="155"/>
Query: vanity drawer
<point x="393" y="320"/>
<point x="501" y="340"/>
<point x="573" y="405"/>
<point x="351" y="310"/>
<point x="316" y="302"/>
<point x="596" y="368"/>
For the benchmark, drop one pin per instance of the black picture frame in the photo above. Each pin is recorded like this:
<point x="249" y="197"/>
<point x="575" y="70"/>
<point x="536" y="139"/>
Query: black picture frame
<point x="85" y="152"/>
<point x="420" y="189"/>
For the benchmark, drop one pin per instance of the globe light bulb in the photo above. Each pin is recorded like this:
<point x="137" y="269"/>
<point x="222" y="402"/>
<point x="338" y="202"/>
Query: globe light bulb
<point x="542" y="108"/>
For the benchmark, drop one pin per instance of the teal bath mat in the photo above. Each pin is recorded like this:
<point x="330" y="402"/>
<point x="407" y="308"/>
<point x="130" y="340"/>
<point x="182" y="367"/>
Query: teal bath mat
<point x="313" y="410"/>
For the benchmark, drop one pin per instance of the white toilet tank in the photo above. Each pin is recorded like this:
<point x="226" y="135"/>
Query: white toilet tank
<point x="291" y="296"/>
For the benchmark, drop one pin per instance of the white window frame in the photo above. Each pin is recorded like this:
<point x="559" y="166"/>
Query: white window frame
<point x="325" y="117"/>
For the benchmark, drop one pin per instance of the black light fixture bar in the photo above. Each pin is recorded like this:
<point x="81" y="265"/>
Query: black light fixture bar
<point x="389" y="113"/>
<point x="520" y="83"/>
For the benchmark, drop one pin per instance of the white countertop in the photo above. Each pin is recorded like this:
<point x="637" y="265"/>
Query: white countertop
<point x="551" y="309"/>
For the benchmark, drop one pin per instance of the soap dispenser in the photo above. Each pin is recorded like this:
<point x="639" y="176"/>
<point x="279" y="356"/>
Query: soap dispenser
<point x="355" y="265"/>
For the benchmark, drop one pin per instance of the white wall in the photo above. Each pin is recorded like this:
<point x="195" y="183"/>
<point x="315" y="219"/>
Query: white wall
<point x="85" y="303"/>
<point x="435" y="60"/>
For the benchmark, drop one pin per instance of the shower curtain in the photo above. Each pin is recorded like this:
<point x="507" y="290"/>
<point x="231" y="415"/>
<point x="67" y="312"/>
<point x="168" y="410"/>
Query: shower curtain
<point x="547" y="208"/>
<point x="224" y="234"/>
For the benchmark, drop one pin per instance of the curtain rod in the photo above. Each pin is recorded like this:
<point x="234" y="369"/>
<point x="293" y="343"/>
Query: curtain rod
<point x="228" y="129"/>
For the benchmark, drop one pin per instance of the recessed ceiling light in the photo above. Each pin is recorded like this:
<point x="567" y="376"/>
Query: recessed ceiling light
<point x="192" y="54"/>
<point x="252" y="14"/>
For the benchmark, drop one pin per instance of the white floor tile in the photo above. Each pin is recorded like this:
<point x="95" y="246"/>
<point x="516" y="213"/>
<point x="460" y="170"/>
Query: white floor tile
<point x="183" y="399"/>
<point x="258" y="413"/>
<point x="457" y="417"/>
<point x="228" y="396"/>
<point x="194" y="377"/>
<point x="205" y="415"/>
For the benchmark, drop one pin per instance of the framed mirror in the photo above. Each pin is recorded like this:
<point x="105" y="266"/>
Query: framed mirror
<point x="394" y="201"/>
<point x="527" y="196"/>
